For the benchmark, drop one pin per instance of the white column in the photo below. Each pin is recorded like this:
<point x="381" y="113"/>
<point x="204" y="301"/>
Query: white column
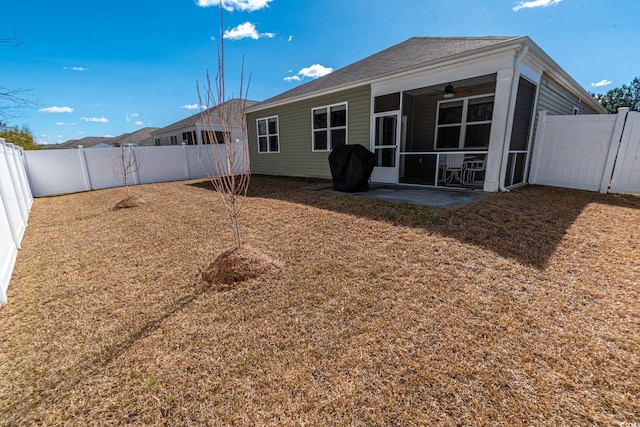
<point x="501" y="104"/>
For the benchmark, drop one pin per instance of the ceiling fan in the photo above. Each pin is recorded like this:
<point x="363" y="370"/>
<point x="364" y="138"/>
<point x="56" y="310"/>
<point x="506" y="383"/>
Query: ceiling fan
<point x="450" y="91"/>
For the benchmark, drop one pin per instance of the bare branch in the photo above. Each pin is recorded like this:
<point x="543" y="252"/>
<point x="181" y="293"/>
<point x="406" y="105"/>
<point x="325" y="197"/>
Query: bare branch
<point x="228" y="159"/>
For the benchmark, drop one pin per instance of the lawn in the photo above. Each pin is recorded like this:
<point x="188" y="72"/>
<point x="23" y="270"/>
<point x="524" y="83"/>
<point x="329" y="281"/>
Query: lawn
<point x="521" y="308"/>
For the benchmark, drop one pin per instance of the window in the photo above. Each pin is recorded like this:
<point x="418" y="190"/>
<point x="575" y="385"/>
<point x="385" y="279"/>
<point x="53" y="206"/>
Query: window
<point x="464" y="123"/>
<point x="576" y="111"/>
<point x="207" y="137"/>
<point x="329" y="127"/>
<point x="189" y="138"/>
<point x="268" y="141"/>
<point x="174" y="140"/>
<point x="157" y="142"/>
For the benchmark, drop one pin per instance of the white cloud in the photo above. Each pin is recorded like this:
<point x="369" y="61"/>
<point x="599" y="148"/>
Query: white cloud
<point x="60" y="123"/>
<point x="95" y="119"/>
<point x="245" y="30"/>
<point x="231" y="5"/>
<point x="604" y="82"/>
<point x="139" y="123"/>
<point x="314" y="71"/>
<point x="135" y="114"/>
<point x="56" y="109"/>
<point x="76" y="68"/>
<point x="530" y="4"/>
<point x="191" y="107"/>
<point x="290" y="38"/>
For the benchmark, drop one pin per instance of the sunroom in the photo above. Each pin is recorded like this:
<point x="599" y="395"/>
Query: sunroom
<point x="453" y="134"/>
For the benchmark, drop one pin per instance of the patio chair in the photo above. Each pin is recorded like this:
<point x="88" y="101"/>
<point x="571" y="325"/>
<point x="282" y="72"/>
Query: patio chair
<point x="471" y="168"/>
<point x="453" y="168"/>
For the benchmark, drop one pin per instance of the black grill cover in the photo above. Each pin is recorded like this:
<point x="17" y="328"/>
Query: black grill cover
<point x="351" y="166"/>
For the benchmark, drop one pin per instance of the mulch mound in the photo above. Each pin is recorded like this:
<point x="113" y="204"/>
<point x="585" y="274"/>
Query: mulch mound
<point x="238" y="265"/>
<point x="130" y="202"/>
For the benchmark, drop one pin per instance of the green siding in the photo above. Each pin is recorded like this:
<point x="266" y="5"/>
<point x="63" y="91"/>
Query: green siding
<point x="557" y="101"/>
<point x="294" y="120"/>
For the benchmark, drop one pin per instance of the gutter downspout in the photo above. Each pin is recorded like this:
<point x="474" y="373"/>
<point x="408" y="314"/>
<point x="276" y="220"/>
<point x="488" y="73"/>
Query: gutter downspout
<point x="512" y="107"/>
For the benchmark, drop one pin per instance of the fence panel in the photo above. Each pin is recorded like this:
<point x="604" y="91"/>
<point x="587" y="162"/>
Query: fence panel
<point x="626" y="175"/>
<point x="15" y="203"/>
<point x="100" y="167"/>
<point x="572" y="151"/>
<point x="67" y="171"/>
<point x="159" y="164"/>
<point x="56" y="172"/>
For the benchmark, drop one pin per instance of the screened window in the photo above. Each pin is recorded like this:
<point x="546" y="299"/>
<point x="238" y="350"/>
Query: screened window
<point x="189" y="138"/>
<point x="207" y="137"/>
<point x="268" y="141"/>
<point x="464" y="123"/>
<point x="329" y="127"/>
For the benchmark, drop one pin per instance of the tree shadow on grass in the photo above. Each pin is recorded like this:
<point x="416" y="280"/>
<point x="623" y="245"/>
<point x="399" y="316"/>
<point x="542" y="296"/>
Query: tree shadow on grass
<point x="527" y="224"/>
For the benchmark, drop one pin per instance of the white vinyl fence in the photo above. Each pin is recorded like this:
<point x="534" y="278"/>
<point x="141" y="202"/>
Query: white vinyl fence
<point x="15" y="204"/>
<point x="73" y="170"/>
<point x="588" y="152"/>
<point x="24" y="174"/>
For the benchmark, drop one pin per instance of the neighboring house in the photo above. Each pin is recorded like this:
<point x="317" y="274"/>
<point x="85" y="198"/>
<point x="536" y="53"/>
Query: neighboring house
<point x="140" y="137"/>
<point x="193" y="130"/>
<point x="86" y="142"/>
<point x="450" y="112"/>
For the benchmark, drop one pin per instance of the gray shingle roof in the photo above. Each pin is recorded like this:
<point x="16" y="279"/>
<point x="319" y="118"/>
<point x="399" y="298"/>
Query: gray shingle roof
<point x="409" y="54"/>
<point x="196" y="117"/>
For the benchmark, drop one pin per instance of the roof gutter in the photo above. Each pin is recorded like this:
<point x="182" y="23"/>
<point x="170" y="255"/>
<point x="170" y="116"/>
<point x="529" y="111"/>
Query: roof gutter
<point x="512" y="106"/>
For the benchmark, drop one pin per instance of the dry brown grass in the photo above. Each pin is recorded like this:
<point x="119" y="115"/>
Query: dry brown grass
<point x="519" y="309"/>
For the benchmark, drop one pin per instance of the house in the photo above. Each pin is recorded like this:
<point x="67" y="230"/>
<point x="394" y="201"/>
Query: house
<point x="193" y="130"/>
<point x="443" y="112"/>
<point x="140" y="137"/>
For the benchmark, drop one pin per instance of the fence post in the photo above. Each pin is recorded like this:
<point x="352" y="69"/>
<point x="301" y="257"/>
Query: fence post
<point x="85" y="168"/>
<point x="12" y="226"/>
<point x="537" y="147"/>
<point x="132" y="154"/>
<point x="614" y="145"/>
<point x="22" y="176"/>
<point x="185" y="160"/>
<point x="15" y="181"/>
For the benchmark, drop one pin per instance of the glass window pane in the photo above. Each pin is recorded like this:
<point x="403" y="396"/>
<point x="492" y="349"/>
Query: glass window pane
<point x="386" y="157"/>
<point x="389" y="102"/>
<point x="262" y="127"/>
<point x="477" y="135"/>
<point x="450" y="112"/>
<point x="262" y="144"/>
<point x="339" y="116"/>
<point x="338" y="137"/>
<point x="320" y="140"/>
<point x="273" y="143"/>
<point x="480" y="110"/>
<point x="448" y="137"/>
<point x="273" y="126"/>
<point x="320" y="118"/>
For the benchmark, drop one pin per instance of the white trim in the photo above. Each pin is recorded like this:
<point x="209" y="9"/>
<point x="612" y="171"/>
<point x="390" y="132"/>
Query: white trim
<point x="329" y="128"/>
<point x="268" y="135"/>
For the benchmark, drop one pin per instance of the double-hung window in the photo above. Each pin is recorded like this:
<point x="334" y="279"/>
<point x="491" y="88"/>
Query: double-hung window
<point x="464" y="123"/>
<point x="268" y="141"/>
<point x="329" y="127"/>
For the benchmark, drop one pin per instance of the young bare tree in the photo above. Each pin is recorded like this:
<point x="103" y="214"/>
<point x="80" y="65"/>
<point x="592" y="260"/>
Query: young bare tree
<point x="227" y="163"/>
<point x="124" y="164"/>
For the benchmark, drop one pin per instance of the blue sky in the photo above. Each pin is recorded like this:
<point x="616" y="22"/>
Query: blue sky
<point x="106" y="68"/>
